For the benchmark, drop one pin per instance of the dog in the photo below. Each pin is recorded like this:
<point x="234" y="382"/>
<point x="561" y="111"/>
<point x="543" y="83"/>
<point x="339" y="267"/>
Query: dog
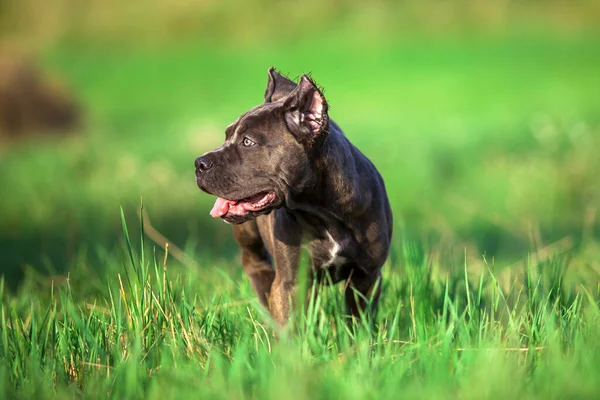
<point x="287" y="177"/>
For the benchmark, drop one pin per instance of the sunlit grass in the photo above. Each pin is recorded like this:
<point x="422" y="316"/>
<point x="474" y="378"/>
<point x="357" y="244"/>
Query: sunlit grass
<point x="451" y="336"/>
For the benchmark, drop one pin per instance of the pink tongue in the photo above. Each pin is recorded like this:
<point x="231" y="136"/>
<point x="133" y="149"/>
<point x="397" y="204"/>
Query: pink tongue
<point x="220" y="208"/>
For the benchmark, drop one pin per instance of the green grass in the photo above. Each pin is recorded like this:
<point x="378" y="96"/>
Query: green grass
<point x="155" y="336"/>
<point x="488" y="148"/>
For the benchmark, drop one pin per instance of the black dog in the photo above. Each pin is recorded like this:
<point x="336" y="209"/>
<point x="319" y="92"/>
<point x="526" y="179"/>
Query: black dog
<point x="287" y="175"/>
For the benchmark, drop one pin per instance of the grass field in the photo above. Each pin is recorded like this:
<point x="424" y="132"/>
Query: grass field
<point x="488" y="146"/>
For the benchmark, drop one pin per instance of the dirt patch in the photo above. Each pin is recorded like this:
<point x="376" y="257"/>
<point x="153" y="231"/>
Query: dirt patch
<point x="33" y="102"/>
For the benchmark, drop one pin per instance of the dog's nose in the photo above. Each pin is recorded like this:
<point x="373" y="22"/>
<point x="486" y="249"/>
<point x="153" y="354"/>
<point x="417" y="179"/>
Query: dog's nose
<point x="203" y="164"/>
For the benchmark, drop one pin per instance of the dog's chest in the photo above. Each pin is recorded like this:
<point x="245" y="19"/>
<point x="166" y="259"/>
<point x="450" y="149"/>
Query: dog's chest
<point x="328" y="252"/>
<point x="336" y="258"/>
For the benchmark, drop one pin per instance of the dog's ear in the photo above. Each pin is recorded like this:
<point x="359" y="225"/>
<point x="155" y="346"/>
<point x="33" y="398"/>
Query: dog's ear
<point x="278" y="86"/>
<point x="306" y="111"/>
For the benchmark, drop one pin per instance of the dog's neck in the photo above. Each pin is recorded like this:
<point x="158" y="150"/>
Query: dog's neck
<point x="335" y="192"/>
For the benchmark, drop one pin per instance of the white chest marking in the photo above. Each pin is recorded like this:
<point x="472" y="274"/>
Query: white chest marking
<point x="335" y="259"/>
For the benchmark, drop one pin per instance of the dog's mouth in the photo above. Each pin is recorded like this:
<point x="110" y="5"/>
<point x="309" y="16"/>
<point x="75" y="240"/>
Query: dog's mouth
<point x="257" y="202"/>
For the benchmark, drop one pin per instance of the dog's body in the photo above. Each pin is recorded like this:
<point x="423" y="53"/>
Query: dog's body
<point x="300" y="181"/>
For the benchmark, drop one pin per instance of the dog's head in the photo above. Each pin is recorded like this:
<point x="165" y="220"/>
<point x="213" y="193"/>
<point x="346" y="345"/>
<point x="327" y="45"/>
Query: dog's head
<point x="266" y="156"/>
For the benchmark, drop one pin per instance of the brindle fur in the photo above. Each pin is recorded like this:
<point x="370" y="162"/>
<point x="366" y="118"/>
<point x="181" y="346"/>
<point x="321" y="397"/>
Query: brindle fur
<point x="329" y="196"/>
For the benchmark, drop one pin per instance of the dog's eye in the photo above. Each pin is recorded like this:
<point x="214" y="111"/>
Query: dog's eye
<point x="247" y="142"/>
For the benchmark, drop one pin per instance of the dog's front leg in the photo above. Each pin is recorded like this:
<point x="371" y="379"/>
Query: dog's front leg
<point x="287" y="249"/>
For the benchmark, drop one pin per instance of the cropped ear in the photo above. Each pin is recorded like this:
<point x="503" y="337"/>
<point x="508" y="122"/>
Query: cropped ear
<point x="306" y="111"/>
<point x="278" y="86"/>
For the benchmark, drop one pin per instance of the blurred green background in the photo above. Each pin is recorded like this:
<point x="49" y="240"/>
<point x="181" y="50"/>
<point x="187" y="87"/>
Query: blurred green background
<point x="483" y="117"/>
